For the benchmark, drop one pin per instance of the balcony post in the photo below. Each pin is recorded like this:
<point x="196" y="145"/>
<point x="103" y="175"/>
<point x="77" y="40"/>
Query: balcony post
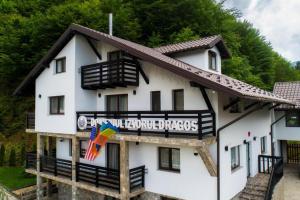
<point x="75" y="159"/>
<point x="39" y="180"/>
<point x="124" y="170"/>
<point x="49" y="150"/>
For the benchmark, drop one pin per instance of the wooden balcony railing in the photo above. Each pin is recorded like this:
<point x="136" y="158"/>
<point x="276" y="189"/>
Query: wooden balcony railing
<point x="137" y="177"/>
<point x="56" y="166"/>
<point x="92" y="174"/>
<point x="265" y="163"/>
<point x="121" y="72"/>
<point x="98" y="176"/>
<point x="204" y="121"/>
<point x="30" y="121"/>
<point x="30" y="160"/>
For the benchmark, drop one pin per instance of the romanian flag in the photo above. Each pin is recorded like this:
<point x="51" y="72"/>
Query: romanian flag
<point x="98" y="139"/>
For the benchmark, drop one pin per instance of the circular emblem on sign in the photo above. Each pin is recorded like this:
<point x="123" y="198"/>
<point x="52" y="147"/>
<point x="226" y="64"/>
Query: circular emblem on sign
<point x="82" y="122"/>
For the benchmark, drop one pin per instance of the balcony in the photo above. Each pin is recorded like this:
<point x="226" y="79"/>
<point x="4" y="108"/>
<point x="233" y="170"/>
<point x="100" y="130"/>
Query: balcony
<point x="186" y="124"/>
<point x="116" y="73"/>
<point x="30" y="121"/>
<point x="86" y="173"/>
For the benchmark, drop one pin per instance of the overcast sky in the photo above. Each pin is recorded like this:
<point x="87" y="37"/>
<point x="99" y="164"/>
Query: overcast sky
<point x="277" y="20"/>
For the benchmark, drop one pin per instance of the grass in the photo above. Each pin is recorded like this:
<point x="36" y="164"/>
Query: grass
<point x="15" y="178"/>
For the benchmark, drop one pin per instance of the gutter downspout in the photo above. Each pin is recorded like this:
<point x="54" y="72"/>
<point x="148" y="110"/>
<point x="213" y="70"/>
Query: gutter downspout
<point x="218" y="143"/>
<point x="271" y="127"/>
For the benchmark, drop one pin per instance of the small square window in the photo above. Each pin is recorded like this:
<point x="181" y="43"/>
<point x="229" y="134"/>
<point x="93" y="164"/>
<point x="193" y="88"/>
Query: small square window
<point x="60" y="65"/>
<point x="212" y="57"/>
<point x="57" y="105"/>
<point x="235" y="157"/>
<point x="292" y="119"/>
<point x="169" y="159"/>
<point x="263" y="144"/>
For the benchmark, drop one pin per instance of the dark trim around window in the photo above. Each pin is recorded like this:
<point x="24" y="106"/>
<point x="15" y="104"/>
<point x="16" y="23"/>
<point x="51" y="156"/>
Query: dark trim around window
<point x="170" y="167"/>
<point x="212" y="60"/>
<point x="70" y="147"/>
<point x="238" y="163"/>
<point x="82" y="151"/>
<point x="263" y="145"/>
<point x="63" y="69"/>
<point x="155" y="99"/>
<point x="60" y="105"/>
<point x="292" y="119"/>
<point x="175" y="103"/>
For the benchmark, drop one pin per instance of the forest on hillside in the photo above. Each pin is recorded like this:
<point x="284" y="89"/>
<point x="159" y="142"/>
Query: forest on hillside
<point x="29" y="28"/>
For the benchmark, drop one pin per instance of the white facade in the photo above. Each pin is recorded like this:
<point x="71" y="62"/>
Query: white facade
<point x="193" y="182"/>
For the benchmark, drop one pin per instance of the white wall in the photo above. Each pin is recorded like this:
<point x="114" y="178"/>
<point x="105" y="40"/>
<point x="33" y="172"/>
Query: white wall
<point x="258" y="124"/>
<point x="281" y="132"/>
<point x="200" y="59"/>
<point x="50" y="84"/>
<point x="192" y="183"/>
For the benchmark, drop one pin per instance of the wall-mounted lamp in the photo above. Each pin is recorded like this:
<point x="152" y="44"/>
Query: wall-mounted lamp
<point x="245" y="141"/>
<point x="137" y="143"/>
<point x="254" y="138"/>
<point x="226" y="148"/>
<point x="134" y="92"/>
<point x="40" y="96"/>
<point x="196" y="153"/>
<point x="61" y="139"/>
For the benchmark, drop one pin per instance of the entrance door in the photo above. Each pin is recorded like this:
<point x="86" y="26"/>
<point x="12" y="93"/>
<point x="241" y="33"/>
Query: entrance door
<point x="248" y="159"/>
<point x="113" y="156"/>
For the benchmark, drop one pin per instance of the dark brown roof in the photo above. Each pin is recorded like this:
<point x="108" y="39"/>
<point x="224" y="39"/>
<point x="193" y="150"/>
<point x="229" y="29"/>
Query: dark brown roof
<point x="211" y="80"/>
<point x="290" y="91"/>
<point x="203" y="43"/>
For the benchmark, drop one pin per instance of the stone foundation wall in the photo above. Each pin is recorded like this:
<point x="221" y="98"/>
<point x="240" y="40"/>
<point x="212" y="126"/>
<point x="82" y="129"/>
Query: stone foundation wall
<point x="65" y="193"/>
<point x="151" y="196"/>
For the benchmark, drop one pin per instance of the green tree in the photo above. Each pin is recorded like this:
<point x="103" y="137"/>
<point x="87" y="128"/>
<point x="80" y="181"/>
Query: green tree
<point x="12" y="158"/>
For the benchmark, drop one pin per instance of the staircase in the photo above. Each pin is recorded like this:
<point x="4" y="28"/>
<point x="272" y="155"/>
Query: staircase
<point x="256" y="187"/>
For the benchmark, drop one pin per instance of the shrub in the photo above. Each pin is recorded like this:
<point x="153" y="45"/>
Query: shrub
<point x="12" y="158"/>
<point x="2" y="155"/>
<point x="22" y="155"/>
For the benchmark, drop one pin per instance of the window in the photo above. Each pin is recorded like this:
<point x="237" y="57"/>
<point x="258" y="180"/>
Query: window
<point x="212" y="59"/>
<point x="293" y="119"/>
<point x="60" y="65"/>
<point x="263" y="144"/>
<point x="70" y="147"/>
<point x="178" y="100"/>
<point x="82" y="147"/>
<point x="235" y="157"/>
<point x="117" y="102"/>
<point x="169" y="159"/>
<point x="57" y="105"/>
<point x="155" y="100"/>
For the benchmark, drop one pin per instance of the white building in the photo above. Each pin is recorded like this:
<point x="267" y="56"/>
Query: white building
<point x="179" y="88"/>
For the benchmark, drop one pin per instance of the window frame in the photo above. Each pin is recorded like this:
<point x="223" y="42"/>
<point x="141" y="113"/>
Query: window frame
<point x="238" y="157"/>
<point x="169" y="168"/>
<point x="58" y="105"/>
<point x="288" y="117"/>
<point x="63" y="59"/>
<point x="81" y="152"/>
<point x="211" y="55"/>
<point x="70" y="147"/>
<point x="174" y="99"/>
<point x="152" y="102"/>
<point x="118" y="102"/>
<point x="263" y="144"/>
